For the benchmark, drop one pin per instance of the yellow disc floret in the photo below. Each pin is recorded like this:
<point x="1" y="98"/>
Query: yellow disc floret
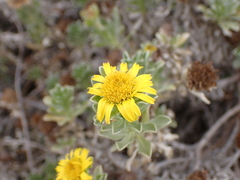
<point x="73" y="169"/>
<point x="118" y="87"/>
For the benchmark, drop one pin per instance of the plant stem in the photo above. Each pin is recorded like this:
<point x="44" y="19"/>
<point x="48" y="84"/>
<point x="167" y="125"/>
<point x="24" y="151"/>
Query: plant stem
<point x="145" y="115"/>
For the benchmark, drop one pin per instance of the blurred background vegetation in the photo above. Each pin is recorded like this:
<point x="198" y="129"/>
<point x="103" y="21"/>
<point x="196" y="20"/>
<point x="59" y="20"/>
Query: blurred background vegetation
<point x="56" y="46"/>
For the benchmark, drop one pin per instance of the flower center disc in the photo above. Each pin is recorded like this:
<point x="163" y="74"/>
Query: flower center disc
<point x="73" y="170"/>
<point x="118" y="86"/>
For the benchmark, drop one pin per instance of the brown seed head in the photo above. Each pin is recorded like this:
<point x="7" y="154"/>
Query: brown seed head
<point x="201" y="76"/>
<point x="198" y="175"/>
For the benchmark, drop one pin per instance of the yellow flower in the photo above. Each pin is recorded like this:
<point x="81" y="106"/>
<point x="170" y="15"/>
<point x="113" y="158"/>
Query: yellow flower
<point x="150" y="47"/>
<point x="120" y="88"/>
<point x="74" y="166"/>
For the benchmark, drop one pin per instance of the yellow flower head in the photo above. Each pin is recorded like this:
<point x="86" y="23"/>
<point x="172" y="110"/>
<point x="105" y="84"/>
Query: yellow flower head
<point x="74" y="166"/>
<point x="150" y="47"/>
<point x="120" y="88"/>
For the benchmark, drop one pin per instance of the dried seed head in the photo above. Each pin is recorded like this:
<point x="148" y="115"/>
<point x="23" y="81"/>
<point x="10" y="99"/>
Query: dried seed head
<point x="237" y="140"/>
<point x="202" y="76"/>
<point x="198" y="175"/>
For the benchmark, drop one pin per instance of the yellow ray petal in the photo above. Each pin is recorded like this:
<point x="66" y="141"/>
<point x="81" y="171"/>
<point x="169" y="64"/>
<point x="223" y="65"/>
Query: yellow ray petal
<point x="148" y="90"/>
<point x="77" y="152"/>
<point x="123" y="112"/>
<point x="108" y="69"/>
<point x="85" y="176"/>
<point x="143" y="77"/>
<point x="97" y="85"/>
<point x="59" y="178"/>
<point x="135" y="69"/>
<point x="123" y="67"/>
<point x="144" y="84"/>
<point x="113" y="68"/>
<point x="108" y="112"/>
<point x="94" y="91"/>
<point x="101" y="110"/>
<point x="88" y="162"/>
<point x="98" y="78"/>
<point x="145" y="98"/>
<point x="84" y="153"/>
<point x="127" y="111"/>
<point x="135" y="108"/>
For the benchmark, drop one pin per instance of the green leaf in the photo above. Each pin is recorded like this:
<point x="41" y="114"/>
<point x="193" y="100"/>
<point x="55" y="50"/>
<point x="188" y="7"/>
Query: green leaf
<point x="149" y="127"/>
<point x="60" y="104"/>
<point x="96" y="122"/>
<point x="180" y="39"/>
<point x="34" y="21"/>
<point x="51" y="81"/>
<point x="95" y="98"/>
<point x="77" y="34"/>
<point x="109" y="135"/>
<point x="106" y="127"/>
<point x="98" y="174"/>
<point x="114" y="113"/>
<point x="142" y="105"/>
<point x="94" y="107"/>
<point x="82" y="73"/>
<point x="98" y="170"/>
<point x="118" y="125"/>
<point x="126" y="57"/>
<point x="136" y="126"/>
<point x="167" y="87"/>
<point x="161" y="121"/>
<point x="128" y="139"/>
<point x="101" y="71"/>
<point x="144" y="146"/>
<point x="101" y="177"/>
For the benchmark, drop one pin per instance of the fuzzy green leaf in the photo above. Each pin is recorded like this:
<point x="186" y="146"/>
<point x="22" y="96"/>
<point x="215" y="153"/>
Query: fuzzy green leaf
<point x="118" y="125"/>
<point x="144" y="146"/>
<point x="96" y="122"/>
<point x="136" y="126"/>
<point x="94" y="107"/>
<point x="114" y="137"/>
<point x="142" y="105"/>
<point x="106" y="127"/>
<point x="98" y="174"/>
<point x="161" y="121"/>
<point x="95" y="98"/>
<point x="149" y="127"/>
<point x="128" y="139"/>
<point x="101" y="71"/>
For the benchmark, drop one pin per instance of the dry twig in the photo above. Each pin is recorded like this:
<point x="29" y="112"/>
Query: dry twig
<point x="209" y="134"/>
<point x="17" y="85"/>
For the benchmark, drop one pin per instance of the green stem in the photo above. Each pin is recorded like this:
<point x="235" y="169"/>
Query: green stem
<point x="145" y="115"/>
